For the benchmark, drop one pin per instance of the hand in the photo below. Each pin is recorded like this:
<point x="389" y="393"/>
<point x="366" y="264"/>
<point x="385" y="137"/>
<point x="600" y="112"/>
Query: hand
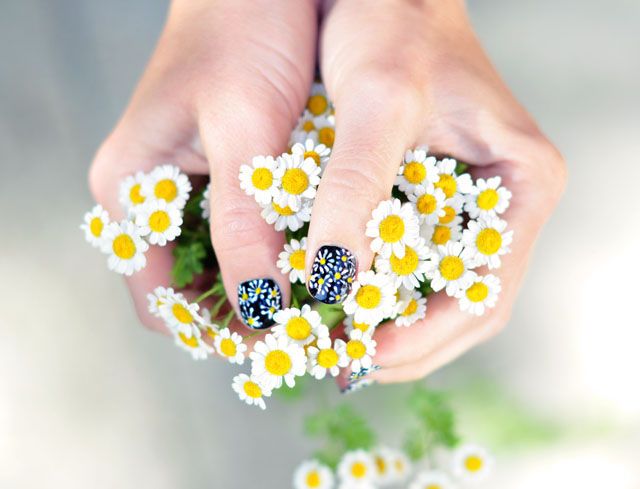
<point x="407" y="73"/>
<point x="227" y="81"/>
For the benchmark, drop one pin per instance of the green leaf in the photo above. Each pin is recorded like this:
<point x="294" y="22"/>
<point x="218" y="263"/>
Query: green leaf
<point x="189" y="261"/>
<point x="461" y="168"/>
<point x="415" y="444"/>
<point x="436" y="417"/>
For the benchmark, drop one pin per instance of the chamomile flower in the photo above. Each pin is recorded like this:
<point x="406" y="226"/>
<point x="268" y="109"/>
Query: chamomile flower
<point x="480" y="295"/>
<point x="487" y="198"/>
<point x="319" y="153"/>
<point x="371" y="299"/>
<point x="357" y="467"/>
<point x="409" y="270"/>
<point x="208" y="328"/>
<point x="416" y="169"/>
<point x="471" y="463"/>
<point x="157" y="298"/>
<point x="452" y="211"/>
<point x="318" y="102"/>
<point x="194" y="344"/>
<point x="324" y="130"/>
<point x="360" y="350"/>
<point x="94" y="223"/>
<point x="401" y="466"/>
<point x="205" y="203"/>
<point x="440" y="234"/>
<point x="276" y="360"/>
<point x="432" y="479"/>
<point x="429" y="203"/>
<point x="452" y="265"/>
<point x="168" y="183"/>
<point x="311" y="474"/>
<point x="259" y="179"/>
<point x="414" y="307"/>
<point x="230" y="346"/>
<point x="489" y="239"/>
<point x="285" y="217"/>
<point x="125" y="247"/>
<point x="299" y="178"/>
<point x="393" y="226"/>
<point x="179" y="314"/>
<point x="291" y="261"/>
<point x="159" y="222"/>
<point x="250" y="390"/>
<point x="450" y="182"/>
<point x="350" y="325"/>
<point x="131" y="194"/>
<point x="303" y="128"/>
<point x="297" y="325"/>
<point x="326" y="357"/>
<point x="383" y="458"/>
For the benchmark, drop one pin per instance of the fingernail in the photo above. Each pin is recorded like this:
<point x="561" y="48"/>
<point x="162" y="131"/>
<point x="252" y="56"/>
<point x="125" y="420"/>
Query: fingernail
<point x="363" y="372"/>
<point x="259" y="299"/>
<point x="356" y="385"/>
<point x="332" y="274"/>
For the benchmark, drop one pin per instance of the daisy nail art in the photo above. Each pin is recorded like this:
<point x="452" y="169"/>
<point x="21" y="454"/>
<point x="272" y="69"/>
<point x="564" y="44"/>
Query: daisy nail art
<point x="125" y="247"/>
<point x="487" y="198"/>
<point x="259" y="300"/>
<point x="159" y="222"/>
<point x="291" y="261"/>
<point x="260" y="179"/>
<point x="250" y="390"/>
<point x="480" y="295"/>
<point x="394" y="225"/>
<point x="299" y="326"/>
<point x="275" y="361"/>
<point x="489" y="239"/>
<point x="332" y="274"/>
<point x="94" y="223"/>
<point x="416" y="169"/>
<point x="452" y="265"/>
<point x="312" y="474"/>
<point x="471" y="463"/>
<point x="230" y="346"/>
<point x="168" y="183"/>
<point x="131" y="193"/>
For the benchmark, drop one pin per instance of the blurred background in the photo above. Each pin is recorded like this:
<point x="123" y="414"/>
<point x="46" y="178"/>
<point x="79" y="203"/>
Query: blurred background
<point x="88" y="398"/>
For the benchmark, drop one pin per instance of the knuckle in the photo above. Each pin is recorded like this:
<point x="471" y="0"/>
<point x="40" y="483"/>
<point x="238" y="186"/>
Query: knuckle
<point x="99" y="171"/>
<point x="356" y="183"/>
<point x="236" y="224"/>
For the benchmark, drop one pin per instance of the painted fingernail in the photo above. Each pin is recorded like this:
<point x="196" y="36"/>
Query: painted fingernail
<point x="259" y="299"/>
<point x="363" y="372"/>
<point x="356" y="385"/>
<point x="332" y="274"/>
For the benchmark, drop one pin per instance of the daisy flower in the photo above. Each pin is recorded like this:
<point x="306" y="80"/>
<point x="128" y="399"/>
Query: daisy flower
<point x="94" y="223"/>
<point x="250" y="390"/>
<point x="471" y="463"/>
<point x="371" y="299"/>
<point x="303" y="128"/>
<point x="159" y="222"/>
<point x="325" y="357"/>
<point x="230" y="346"/>
<point x="285" y="217"/>
<point x="311" y="474"/>
<point x="350" y="325"/>
<point x="259" y="179"/>
<point x="357" y="467"/>
<point x="360" y="349"/>
<point x="481" y="294"/>
<point x="276" y="360"/>
<point x="299" y="179"/>
<point x="394" y="225"/>
<point x="297" y="325"/>
<point x="131" y="194"/>
<point x="157" y="298"/>
<point x="416" y="169"/>
<point x="168" y="183"/>
<point x="452" y="210"/>
<point x="451" y="183"/>
<point x="291" y="261"/>
<point x="383" y="458"/>
<point x="452" y="268"/>
<point x="429" y="203"/>
<point x="488" y="238"/>
<point x="409" y="270"/>
<point x="414" y="307"/>
<point x="319" y="153"/>
<point x="194" y="344"/>
<point x="122" y="242"/>
<point x="432" y="479"/>
<point x="179" y="314"/>
<point x="210" y="330"/>
<point x="440" y="234"/>
<point x="205" y="203"/>
<point x="401" y="466"/>
<point x="487" y="198"/>
<point x="324" y="130"/>
<point x="318" y="102"/>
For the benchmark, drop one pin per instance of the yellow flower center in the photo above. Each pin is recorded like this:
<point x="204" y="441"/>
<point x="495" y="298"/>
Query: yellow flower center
<point x="328" y="358"/>
<point x="489" y="241"/>
<point x="477" y="292"/>
<point x="313" y="155"/>
<point x="124" y="247"/>
<point x="211" y="333"/>
<point x="368" y="296"/>
<point x="426" y="204"/>
<point x="298" y="328"/>
<point x="181" y="313"/>
<point x="135" y="196"/>
<point x="381" y="464"/>
<point x="317" y="104"/>
<point x="228" y="347"/>
<point x="166" y="189"/>
<point x="451" y="267"/>
<point x="399" y="465"/>
<point x="414" y="172"/>
<point x="296" y="259"/>
<point x="358" y="470"/>
<point x="441" y="235"/>
<point x="326" y="135"/>
<point x="356" y="349"/>
<point x="391" y="228"/>
<point x="295" y="181"/>
<point x="364" y="327"/>
<point x="262" y="178"/>
<point x="411" y="308"/>
<point x="283" y="211"/>
<point x="406" y="265"/>
<point x="278" y="363"/>
<point x="190" y="342"/>
<point x="313" y="479"/>
<point x="308" y="126"/>
<point x="96" y="226"/>
<point x="487" y="199"/>
<point x="252" y="389"/>
<point x="433" y="486"/>
<point x="159" y="221"/>
<point x="448" y="185"/>
<point x="449" y="214"/>
<point x="473" y="463"/>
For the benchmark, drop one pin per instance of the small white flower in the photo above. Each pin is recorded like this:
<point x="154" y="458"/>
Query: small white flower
<point x="292" y="260"/>
<point x="432" y="479"/>
<point x="125" y="247"/>
<point x="414" y="307"/>
<point x="417" y="169"/>
<point x="297" y="325"/>
<point x="168" y="183"/>
<point x="409" y="270"/>
<point x="131" y="192"/>
<point x="194" y="344"/>
<point x="210" y="330"/>
<point x="323" y="130"/>
<point x="311" y="474"/>
<point x="451" y="183"/>
<point x="357" y="467"/>
<point x="285" y="217"/>
<point x="471" y="463"/>
<point x="275" y="360"/>
<point x="440" y="234"/>
<point x="360" y="350"/>
<point x="428" y="202"/>
<point x="157" y="298"/>
<point x="319" y="153"/>
<point x="205" y="203"/>
<point x="452" y="268"/>
<point x="179" y="314"/>
<point x="383" y="458"/>
<point x="487" y="198"/>
<point x="393" y="225"/>
<point x="159" y="222"/>
<point x="481" y="294"/>
<point x="250" y="390"/>
<point x="299" y="178"/>
<point x="371" y="299"/>
<point x="303" y="128"/>
<point x="326" y="357"/>
<point x="94" y="223"/>
<point x="260" y="179"/>
<point x="230" y="346"/>
<point x="401" y="467"/>
<point x="318" y="102"/>
<point x="350" y="325"/>
<point x="452" y="211"/>
<point x="488" y="238"/>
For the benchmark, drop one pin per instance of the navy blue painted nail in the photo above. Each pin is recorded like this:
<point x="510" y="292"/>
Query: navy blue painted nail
<point x="259" y="299"/>
<point x="363" y="372"/>
<point x="332" y="274"/>
<point x="356" y="385"/>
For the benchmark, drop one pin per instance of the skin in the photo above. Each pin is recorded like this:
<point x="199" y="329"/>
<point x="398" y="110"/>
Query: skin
<point x="228" y="81"/>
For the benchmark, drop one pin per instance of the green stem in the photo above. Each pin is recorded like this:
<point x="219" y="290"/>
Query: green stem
<point x="254" y="334"/>
<point x="208" y="293"/>
<point x="227" y="319"/>
<point x="217" y="306"/>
